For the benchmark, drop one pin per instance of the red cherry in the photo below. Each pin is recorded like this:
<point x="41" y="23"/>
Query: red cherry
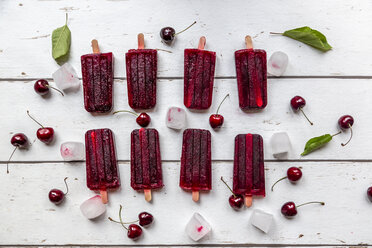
<point x="19" y="140"/>
<point x="168" y="34"/>
<point x="345" y="122"/>
<point x="143" y="120"/>
<point x="42" y="87"/>
<point x="297" y="103"/>
<point x="216" y="120"/>
<point x="45" y="134"/>
<point x="369" y="193"/>
<point x="145" y="219"/>
<point x="134" y="231"/>
<point x="293" y="174"/>
<point x="236" y="201"/>
<point x="289" y="209"/>
<point x="56" y="195"/>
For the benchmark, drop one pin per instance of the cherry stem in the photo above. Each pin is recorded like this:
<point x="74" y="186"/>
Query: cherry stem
<point x="306" y="117"/>
<point x="11" y="155"/>
<point x="351" y="136"/>
<point x="336" y="134"/>
<point x="121" y="220"/>
<point x="163" y="50"/>
<point x="276" y="33"/>
<point x="56" y="90"/>
<point x="272" y="187"/>
<point x="185" y="29"/>
<point x="228" y="186"/>
<point x="321" y="203"/>
<point x="221" y="103"/>
<point x="28" y="112"/>
<point x="66" y="185"/>
<point x="125" y="111"/>
<point x="110" y="219"/>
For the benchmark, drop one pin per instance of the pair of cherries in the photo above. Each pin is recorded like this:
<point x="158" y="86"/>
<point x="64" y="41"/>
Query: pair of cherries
<point x="344" y="122"/>
<point x="20" y="140"/>
<point x="134" y="231"/>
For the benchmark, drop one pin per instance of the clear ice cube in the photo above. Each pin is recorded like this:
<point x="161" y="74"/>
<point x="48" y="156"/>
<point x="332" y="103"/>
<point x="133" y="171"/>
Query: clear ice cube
<point x="262" y="220"/>
<point x="280" y="144"/>
<point x="72" y="151"/>
<point x="176" y="118"/>
<point x="66" y="78"/>
<point x="197" y="227"/>
<point x="93" y="207"/>
<point x="277" y="63"/>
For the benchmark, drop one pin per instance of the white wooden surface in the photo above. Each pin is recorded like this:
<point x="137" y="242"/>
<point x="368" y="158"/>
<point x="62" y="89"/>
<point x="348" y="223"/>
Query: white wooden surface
<point x="335" y="83"/>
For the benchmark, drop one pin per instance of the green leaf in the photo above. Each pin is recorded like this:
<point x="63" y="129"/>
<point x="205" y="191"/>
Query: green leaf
<point x="316" y="143"/>
<point x="61" y="41"/>
<point x="310" y="37"/>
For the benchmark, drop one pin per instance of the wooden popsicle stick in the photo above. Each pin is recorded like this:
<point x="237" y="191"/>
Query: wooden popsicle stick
<point x="141" y="41"/>
<point x="147" y="194"/>
<point x="248" y="201"/>
<point x="95" y="46"/>
<point x="202" y="42"/>
<point x="195" y="196"/>
<point x="248" y="42"/>
<point x="104" y="196"/>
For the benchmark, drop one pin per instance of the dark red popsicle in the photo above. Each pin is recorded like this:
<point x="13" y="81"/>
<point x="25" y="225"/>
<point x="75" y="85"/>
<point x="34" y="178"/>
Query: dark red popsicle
<point x="141" y="66"/>
<point x="251" y="74"/>
<point x="249" y="171"/>
<point x="98" y="77"/>
<point x="101" y="165"/>
<point x="199" y="68"/>
<point x="146" y="172"/>
<point x="196" y="165"/>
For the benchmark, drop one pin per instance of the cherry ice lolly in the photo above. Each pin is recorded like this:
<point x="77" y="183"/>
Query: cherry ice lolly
<point x="251" y="74"/>
<point x="141" y="65"/>
<point x="98" y="77"/>
<point x="101" y="164"/>
<point x="196" y="165"/>
<point x="249" y="171"/>
<point x="199" y="67"/>
<point x="146" y="172"/>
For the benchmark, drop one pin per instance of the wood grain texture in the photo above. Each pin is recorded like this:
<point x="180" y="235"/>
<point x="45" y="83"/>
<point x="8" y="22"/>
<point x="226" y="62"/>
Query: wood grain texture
<point x="71" y="121"/>
<point x="29" y="218"/>
<point x="25" y="43"/>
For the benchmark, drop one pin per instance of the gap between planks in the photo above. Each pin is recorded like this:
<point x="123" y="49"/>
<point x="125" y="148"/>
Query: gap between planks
<point x="199" y="245"/>
<point x="217" y="77"/>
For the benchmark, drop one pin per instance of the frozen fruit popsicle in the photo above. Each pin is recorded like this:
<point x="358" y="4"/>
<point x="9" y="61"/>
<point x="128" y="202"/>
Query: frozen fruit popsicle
<point x="145" y="162"/>
<point x="199" y="77"/>
<point x="251" y="75"/>
<point x="249" y="172"/>
<point x="141" y="65"/>
<point x="101" y="164"/>
<point x="97" y="71"/>
<point x="196" y="166"/>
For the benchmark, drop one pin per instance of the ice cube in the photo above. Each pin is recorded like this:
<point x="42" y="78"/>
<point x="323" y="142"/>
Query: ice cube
<point x="280" y="144"/>
<point x="176" y="118"/>
<point x="66" y="78"/>
<point x="262" y="220"/>
<point x="72" y="151"/>
<point x="197" y="227"/>
<point x="277" y="63"/>
<point x="93" y="207"/>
